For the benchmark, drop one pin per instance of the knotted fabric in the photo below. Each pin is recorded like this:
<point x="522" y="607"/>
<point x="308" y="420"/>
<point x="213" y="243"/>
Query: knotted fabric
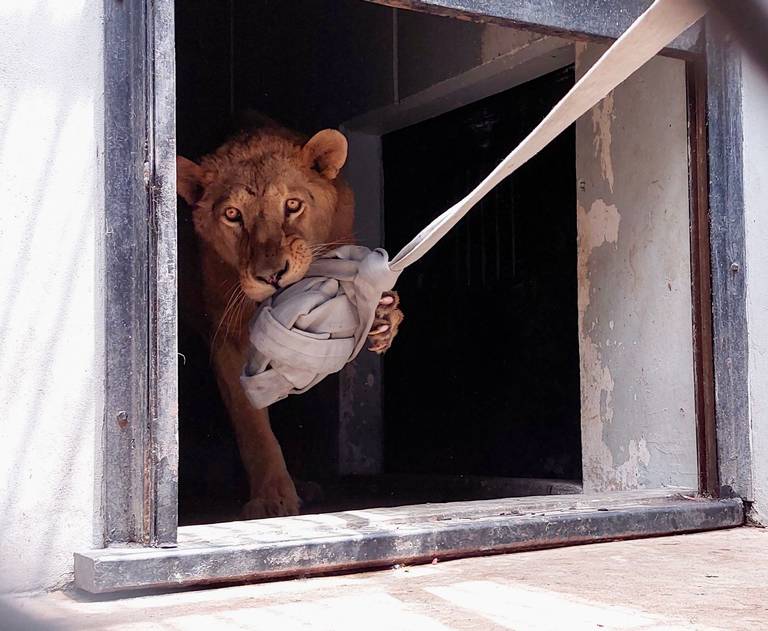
<point x="314" y="327"/>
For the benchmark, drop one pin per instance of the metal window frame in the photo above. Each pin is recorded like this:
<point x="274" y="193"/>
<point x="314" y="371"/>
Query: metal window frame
<point x="140" y="425"/>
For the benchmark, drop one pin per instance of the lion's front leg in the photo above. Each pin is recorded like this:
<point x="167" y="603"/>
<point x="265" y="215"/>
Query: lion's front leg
<point x="386" y="323"/>
<point x="273" y="493"/>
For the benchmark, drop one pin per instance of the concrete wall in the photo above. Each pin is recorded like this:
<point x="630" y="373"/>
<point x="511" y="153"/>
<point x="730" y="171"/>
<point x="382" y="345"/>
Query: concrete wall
<point x="635" y="335"/>
<point x="51" y="121"/>
<point x="755" y="101"/>
<point x="431" y="49"/>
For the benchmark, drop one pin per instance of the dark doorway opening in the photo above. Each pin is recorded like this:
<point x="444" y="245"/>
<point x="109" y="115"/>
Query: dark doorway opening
<point x="485" y="379"/>
<point x="481" y="394"/>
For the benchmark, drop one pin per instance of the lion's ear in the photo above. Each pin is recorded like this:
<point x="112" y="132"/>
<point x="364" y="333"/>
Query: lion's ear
<point x="326" y="152"/>
<point x="189" y="180"/>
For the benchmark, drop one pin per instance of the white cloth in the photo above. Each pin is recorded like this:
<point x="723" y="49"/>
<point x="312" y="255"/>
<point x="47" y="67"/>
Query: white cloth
<point x="314" y="327"/>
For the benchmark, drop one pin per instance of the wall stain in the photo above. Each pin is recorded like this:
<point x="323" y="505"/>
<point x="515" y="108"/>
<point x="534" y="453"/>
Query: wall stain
<point x="602" y="118"/>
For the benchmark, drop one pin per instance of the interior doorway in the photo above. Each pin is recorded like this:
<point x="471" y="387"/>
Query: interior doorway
<point x="511" y="264"/>
<point x="485" y="378"/>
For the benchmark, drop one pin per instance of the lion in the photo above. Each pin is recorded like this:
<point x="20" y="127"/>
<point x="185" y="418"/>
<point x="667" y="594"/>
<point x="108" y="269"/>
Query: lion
<point x="264" y="205"/>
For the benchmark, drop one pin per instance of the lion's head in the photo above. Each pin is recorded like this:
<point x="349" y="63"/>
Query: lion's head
<point x="267" y="202"/>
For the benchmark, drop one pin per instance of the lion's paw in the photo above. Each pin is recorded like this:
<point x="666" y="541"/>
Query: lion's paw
<point x="273" y="500"/>
<point x="386" y="323"/>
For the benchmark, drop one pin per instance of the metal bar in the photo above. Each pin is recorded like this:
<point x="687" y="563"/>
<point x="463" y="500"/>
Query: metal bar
<point x="140" y="424"/>
<point x="163" y="356"/>
<point x="576" y="19"/>
<point x="347" y="541"/>
<point x="727" y="243"/>
<point x="125" y="277"/>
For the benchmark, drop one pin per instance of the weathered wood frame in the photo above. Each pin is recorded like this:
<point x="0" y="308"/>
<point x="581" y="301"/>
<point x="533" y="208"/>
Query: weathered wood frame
<point x="140" y="421"/>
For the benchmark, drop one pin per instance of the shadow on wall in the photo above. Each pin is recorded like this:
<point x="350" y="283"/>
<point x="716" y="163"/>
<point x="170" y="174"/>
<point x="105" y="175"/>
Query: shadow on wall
<point x="51" y="128"/>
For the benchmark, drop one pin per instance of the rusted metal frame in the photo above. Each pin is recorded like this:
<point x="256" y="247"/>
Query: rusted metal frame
<point x="701" y="290"/>
<point x="140" y="425"/>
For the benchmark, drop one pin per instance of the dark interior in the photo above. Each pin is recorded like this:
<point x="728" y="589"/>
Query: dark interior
<point x="491" y="322"/>
<point x="481" y="388"/>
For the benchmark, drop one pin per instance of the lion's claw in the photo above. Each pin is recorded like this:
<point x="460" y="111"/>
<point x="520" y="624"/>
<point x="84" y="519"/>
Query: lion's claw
<point x="386" y="323"/>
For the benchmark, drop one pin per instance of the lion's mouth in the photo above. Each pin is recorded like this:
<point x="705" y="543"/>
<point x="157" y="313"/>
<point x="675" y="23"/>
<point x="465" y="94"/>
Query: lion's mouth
<point x="274" y="279"/>
<point x="256" y="289"/>
<point x="260" y="287"/>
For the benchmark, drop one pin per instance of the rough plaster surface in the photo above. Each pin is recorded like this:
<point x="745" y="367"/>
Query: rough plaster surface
<point x="634" y="298"/>
<point x="755" y="122"/>
<point x="50" y="138"/>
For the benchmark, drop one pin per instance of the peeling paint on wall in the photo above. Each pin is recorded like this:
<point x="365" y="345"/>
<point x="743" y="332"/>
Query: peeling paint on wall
<point x="596" y="228"/>
<point x="633" y="266"/>
<point x="602" y="117"/>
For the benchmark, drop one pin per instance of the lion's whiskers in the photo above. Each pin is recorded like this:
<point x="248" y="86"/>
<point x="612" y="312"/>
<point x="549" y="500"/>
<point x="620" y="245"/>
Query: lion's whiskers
<point x="318" y="250"/>
<point x="235" y="311"/>
<point x="235" y="294"/>
<point x="245" y="302"/>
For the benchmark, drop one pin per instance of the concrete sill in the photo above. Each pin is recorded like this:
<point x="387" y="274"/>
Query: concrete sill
<point x="316" y="544"/>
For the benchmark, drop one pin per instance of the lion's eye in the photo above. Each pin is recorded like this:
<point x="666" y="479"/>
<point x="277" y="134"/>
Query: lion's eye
<point x="292" y="206"/>
<point x="232" y="214"/>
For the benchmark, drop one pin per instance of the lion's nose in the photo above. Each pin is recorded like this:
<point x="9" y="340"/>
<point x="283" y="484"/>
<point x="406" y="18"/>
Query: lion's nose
<point x="274" y="279"/>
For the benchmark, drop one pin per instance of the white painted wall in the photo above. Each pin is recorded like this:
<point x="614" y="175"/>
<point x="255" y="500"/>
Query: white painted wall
<point x="635" y="326"/>
<point x="51" y="128"/>
<point x="755" y="119"/>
